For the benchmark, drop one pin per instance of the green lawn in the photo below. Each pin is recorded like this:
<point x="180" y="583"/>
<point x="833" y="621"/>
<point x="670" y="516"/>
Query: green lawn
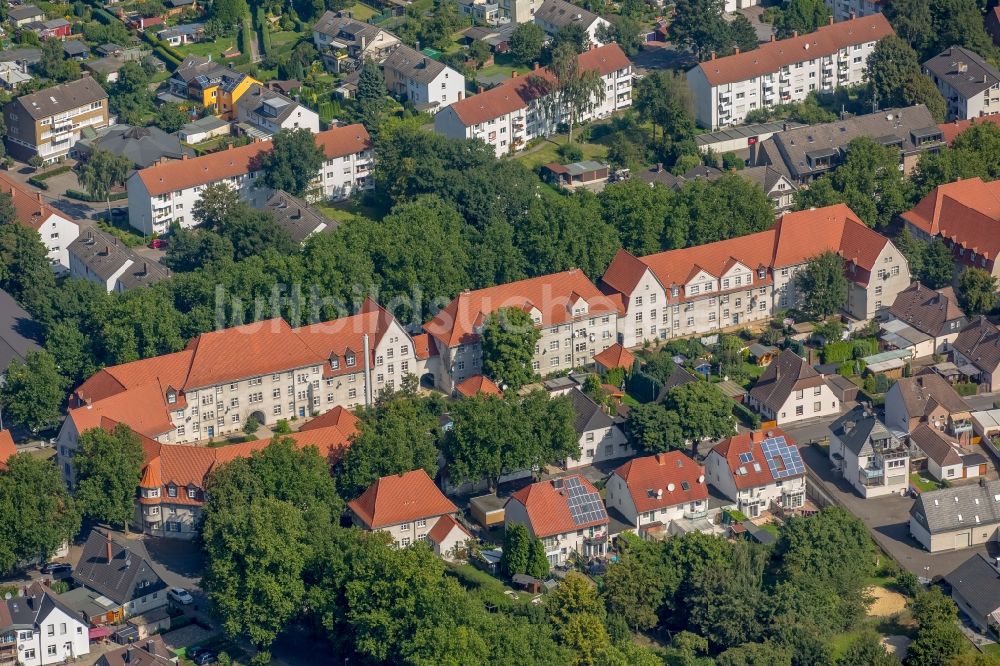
<point x="545" y="152"/>
<point x="992" y="649"/>
<point x="350" y="210"/>
<point x="213" y="48"/>
<point x="922" y="483"/>
<point x="280" y="38"/>
<point x="362" y="12"/>
<point x="502" y="64"/>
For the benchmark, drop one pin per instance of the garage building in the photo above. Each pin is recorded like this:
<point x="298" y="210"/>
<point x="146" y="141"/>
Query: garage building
<point x="959" y="517"/>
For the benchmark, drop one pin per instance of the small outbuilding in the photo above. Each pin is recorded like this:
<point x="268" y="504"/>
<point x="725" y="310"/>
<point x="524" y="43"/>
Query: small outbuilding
<point x="488" y="510"/>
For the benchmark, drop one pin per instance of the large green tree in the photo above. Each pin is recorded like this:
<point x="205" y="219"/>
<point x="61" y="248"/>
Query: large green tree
<point x="822" y="285"/>
<point x="637" y="211"/>
<point x="704" y="411"/>
<point x="294" y="162"/>
<point x="632" y="592"/>
<point x="38" y="515"/>
<point x="801" y="16"/>
<point x="516" y="550"/>
<point x="575" y="91"/>
<point x="653" y="429"/>
<point x="509" y="337"/>
<point x="868" y="650"/>
<point x="34" y="391"/>
<point x="108" y="469"/>
<point x="977" y="291"/>
<point x="698" y="25"/>
<point x="526" y="43"/>
<point x="102" y="172"/>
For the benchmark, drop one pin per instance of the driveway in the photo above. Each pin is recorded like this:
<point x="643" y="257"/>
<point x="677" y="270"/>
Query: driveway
<point x="756" y="17"/>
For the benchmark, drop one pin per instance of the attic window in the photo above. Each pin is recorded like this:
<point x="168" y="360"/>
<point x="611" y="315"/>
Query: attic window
<point x="685" y="485"/>
<point x="350" y="360"/>
<point x="334" y="363"/>
<point x="171" y="490"/>
<point x="171" y="397"/>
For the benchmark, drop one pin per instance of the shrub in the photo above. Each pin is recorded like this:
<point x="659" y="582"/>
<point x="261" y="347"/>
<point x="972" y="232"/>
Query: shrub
<point x="570" y="152"/>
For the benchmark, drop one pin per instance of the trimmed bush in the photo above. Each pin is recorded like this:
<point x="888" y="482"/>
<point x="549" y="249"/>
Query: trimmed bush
<point x="643" y="387"/>
<point x="847" y="350"/>
<point x="83" y="196"/>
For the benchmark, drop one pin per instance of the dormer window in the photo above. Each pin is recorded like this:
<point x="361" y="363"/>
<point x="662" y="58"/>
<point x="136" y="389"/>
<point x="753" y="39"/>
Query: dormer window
<point x="171" y="490"/>
<point x="334" y="363"/>
<point x="761" y="273"/>
<point x="192" y="493"/>
<point x="674" y="292"/>
<point x="350" y="360"/>
<point x="171" y="397"/>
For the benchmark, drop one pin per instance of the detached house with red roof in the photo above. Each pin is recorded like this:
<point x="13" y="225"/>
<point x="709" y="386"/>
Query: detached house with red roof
<point x="566" y="513"/>
<point x="54" y="228"/>
<point x="515" y="111"/>
<point x="410" y="508"/>
<point x="964" y="214"/>
<point x="654" y="492"/>
<point x="166" y="193"/>
<point x="741" y="280"/>
<point x="791" y="390"/>
<point x="576" y="322"/>
<point x="726" y="89"/>
<point x="266" y="370"/>
<point x="758" y="469"/>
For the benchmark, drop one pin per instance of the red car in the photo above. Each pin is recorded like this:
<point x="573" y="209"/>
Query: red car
<point x="157" y="244"/>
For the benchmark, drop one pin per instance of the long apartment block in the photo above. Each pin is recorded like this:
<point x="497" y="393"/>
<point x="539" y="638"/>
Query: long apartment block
<point x="742" y="280"/>
<point x="516" y="111"/>
<point x="784" y="71"/>
<point x="166" y="193"/>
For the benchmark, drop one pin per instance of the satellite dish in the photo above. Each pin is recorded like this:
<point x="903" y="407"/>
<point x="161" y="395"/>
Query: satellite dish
<point x="7" y="596"/>
<point x="670" y="487"/>
<point x="701" y="479"/>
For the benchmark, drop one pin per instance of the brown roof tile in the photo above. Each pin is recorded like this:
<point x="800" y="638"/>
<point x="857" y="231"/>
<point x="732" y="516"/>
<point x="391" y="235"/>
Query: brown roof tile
<point x="7" y="448"/>
<point x="477" y="384"/>
<point x="616" y="356"/>
<point x="923" y="393"/>
<point x="548" y="507"/>
<point x="31" y="211"/>
<point x="938" y="446"/>
<point x="927" y="310"/>
<point x="401" y="498"/>
<point x="666" y="479"/>
<point x="788" y="372"/>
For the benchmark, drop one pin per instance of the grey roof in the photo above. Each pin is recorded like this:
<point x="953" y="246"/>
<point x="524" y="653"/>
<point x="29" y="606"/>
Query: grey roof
<point x="561" y="13"/>
<point x="857" y="428"/>
<point x="413" y="64"/>
<point x="178" y="30"/>
<point x="24" y="12"/>
<point x="296" y="216"/>
<point x="345" y="28"/>
<point x="151" y="651"/>
<point x="19" y="333"/>
<point x="979" y="342"/>
<point x="977" y="581"/>
<point x="107" y="65"/>
<point x="109" y="49"/>
<point x="205" y="124"/>
<point x="589" y="415"/>
<point x="26" y="55"/>
<point x="33" y="607"/>
<point x="657" y="174"/>
<point x="145" y="146"/>
<point x="786" y="373"/>
<point x="270" y="104"/>
<point x="928" y="310"/>
<point x="105" y="255"/>
<point x="892" y="126"/>
<point x="744" y="132"/>
<point x="194" y="66"/>
<point x="963" y="70"/>
<point x="179" y="3"/>
<point x="766" y="177"/>
<point x="678" y="377"/>
<point x="75" y="47"/>
<point x="126" y="577"/>
<point x="64" y="97"/>
<point x="958" y="507"/>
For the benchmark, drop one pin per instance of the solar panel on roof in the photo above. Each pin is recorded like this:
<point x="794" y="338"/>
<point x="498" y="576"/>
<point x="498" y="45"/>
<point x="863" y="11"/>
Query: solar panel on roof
<point x="746" y="457"/>
<point x="584" y="506"/>
<point x="777" y="450"/>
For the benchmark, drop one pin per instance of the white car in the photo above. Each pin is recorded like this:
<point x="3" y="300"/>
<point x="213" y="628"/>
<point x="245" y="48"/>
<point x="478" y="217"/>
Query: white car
<point x="181" y="596"/>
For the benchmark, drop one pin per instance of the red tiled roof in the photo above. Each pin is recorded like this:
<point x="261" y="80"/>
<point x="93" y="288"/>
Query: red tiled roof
<point x="965" y="212"/>
<point x="163" y="178"/>
<point x="552" y="295"/>
<point x="624" y="272"/>
<point x="337" y="417"/>
<point x="422" y="347"/>
<point x="656" y="482"/>
<point x="401" y="498"/>
<point x="7" y="448"/>
<point x="333" y="339"/>
<point x="749" y="442"/>
<point x="443" y="527"/>
<point x="32" y="212"/>
<point x="956" y="127"/>
<point x="548" y="508"/>
<point x="517" y="92"/>
<point x="616" y="356"/>
<point x="477" y="384"/>
<point x="772" y="56"/>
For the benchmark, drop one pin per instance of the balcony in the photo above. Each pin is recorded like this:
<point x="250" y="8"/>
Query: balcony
<point x="871" y="477"/>
<point x="597" y="539"/>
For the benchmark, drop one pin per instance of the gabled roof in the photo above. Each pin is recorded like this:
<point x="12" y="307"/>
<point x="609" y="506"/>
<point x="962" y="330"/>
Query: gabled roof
<point x="342" y="338"/>
<point x="980" y="343"/>
<point x="31" y="210"/>
<point x="560" y="14"/>
<point x="751" y="461"/>
<point x="401" y="498"/>
<point x="589" y="415"/>
<point x="477" y="384"/>
<point x="144" y="146"/>
<point x="296" y="216"/>
<point x="924" y="393"/>
<point x="30" y="610"/>
<point x="964" y="70"/>
<point x="857" y="428"/>
<point x="412" y="64"/>
<point x="19" y="333"/>
<point x="443" y="527"/>
<point x="772" y="56"/>
<point x="666" y="479"/>
<point x="104" y="255"/>
<point x="788" y="372"/>
<point x="61" y="98"/>
<point x="616" y="356"/>
<point x="927" y="310"/>
<point x="977" y="581"/>
<point x="966" y="212"/>
<point x="959" y="507"/>
<point x="547" y="504"/>
<point x="125" y="577"/>
<point x="553" y="295"/>
<point x="7" y="448"/>
<point x="938" y="446"/>
<point x="338" y="416"/>
<point x="150" y="651"/>
<point x="952" y="129"/>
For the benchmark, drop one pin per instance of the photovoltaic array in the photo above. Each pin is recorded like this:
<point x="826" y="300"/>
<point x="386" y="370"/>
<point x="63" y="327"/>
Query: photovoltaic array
<point x="783" y="459"/>
<point x="585" y="506"/>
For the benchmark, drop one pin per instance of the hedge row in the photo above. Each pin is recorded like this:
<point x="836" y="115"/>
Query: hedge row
<point x="747" y="416"/>
<point x="38" y="180"/>
<point x="845" y="350"/>
<point x="643" y="387"/>
<point x="265" y="30"/>
<point x="83" y="196"/>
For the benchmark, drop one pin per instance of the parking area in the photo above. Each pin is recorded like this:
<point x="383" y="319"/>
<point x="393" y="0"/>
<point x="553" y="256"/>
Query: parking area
<point x="662" y="55"/>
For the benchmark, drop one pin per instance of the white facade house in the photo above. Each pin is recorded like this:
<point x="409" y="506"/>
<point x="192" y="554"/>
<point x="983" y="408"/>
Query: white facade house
<point x="519" y="11"/>
<point x="44" y="630"/>
<point x="165" y="193"/>
<point x="970" y="85"/>
<point x="654" y="491"/>
<point x="515" y="112"/>
<point x="55" y="230"/>
<point x="601" y="438"/>
<point x="100" y="257"/>
<point x="554" y="15"/>
<point x="758" y="469"/>
<point x="262" y="113"/>
<point x="726" y="89"/>
<point x="791" y="390"/>
<point x="847" y="9"/>
<point x="869" y="457"/>
<point x="424" y="82"/>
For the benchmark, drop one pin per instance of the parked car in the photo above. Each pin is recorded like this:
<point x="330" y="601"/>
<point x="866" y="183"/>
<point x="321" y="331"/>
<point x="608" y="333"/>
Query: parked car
<point x="181" y="596"/>
<point x="57" y="570"/>
<point x="205" y="657"/>
<point x="157" y="244"/>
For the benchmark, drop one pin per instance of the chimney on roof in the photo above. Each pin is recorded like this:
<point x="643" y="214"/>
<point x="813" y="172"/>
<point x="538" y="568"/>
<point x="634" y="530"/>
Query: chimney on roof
<point x="713" y="55"/>
<point x="151" y="647"/>
<point x="795" y="33"/>
<point x="773" y="37"/>
<point x="109" y="553"/>
<point x="853" y="15"/>
<point x="513" y="73"/>
<point x="127" y="657"/>
<point x="107" y="250"/>
<point x="659" y="167"/>
<point x="831" y="19"/>
<point x="736" y="50"/>
<point x="145" y="268"/>
<point x="37" y="194"/>
<point x="536" y="67"/>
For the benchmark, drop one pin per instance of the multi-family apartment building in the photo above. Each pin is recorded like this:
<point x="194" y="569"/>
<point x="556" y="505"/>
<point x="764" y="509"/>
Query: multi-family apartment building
<point x="784" y="71"/>
<point x="869" y="457"/>
<point x="210" y="84"/>
<point x="554" y="15"/>
<point x="575" y="320"/>
<point x="566" y="513"/>
<point x="37" y="629"/>
<point x="803" y="154"/>
<point x="733" y="282"/>
<point x="514" y="112"/>
<point x="261" y="113"/>
<point x="965" y="214"/>
<point x="424" y="82"/>
<point x="166" y="193"/>
<point x="100" y="257"/>
<point x="55" y="229"/>
<point x="970" y="85"/>
<point x="518" y="11"/>
<point x="345" y="43"/>
<point x="654" y="491"/>
<point x="758" y="469"/>
<point x="601" y="437"/>
<point x="843" y="10"/>
<point x="266" y="370"/>
<point x="48" y="123"/>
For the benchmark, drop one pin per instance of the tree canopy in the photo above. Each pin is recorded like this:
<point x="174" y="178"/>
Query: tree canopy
<point x="293" y="163"/>
<point x="508" y="342"/>
<point x="108" y="469"/>
<point x="822" y="285"/>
